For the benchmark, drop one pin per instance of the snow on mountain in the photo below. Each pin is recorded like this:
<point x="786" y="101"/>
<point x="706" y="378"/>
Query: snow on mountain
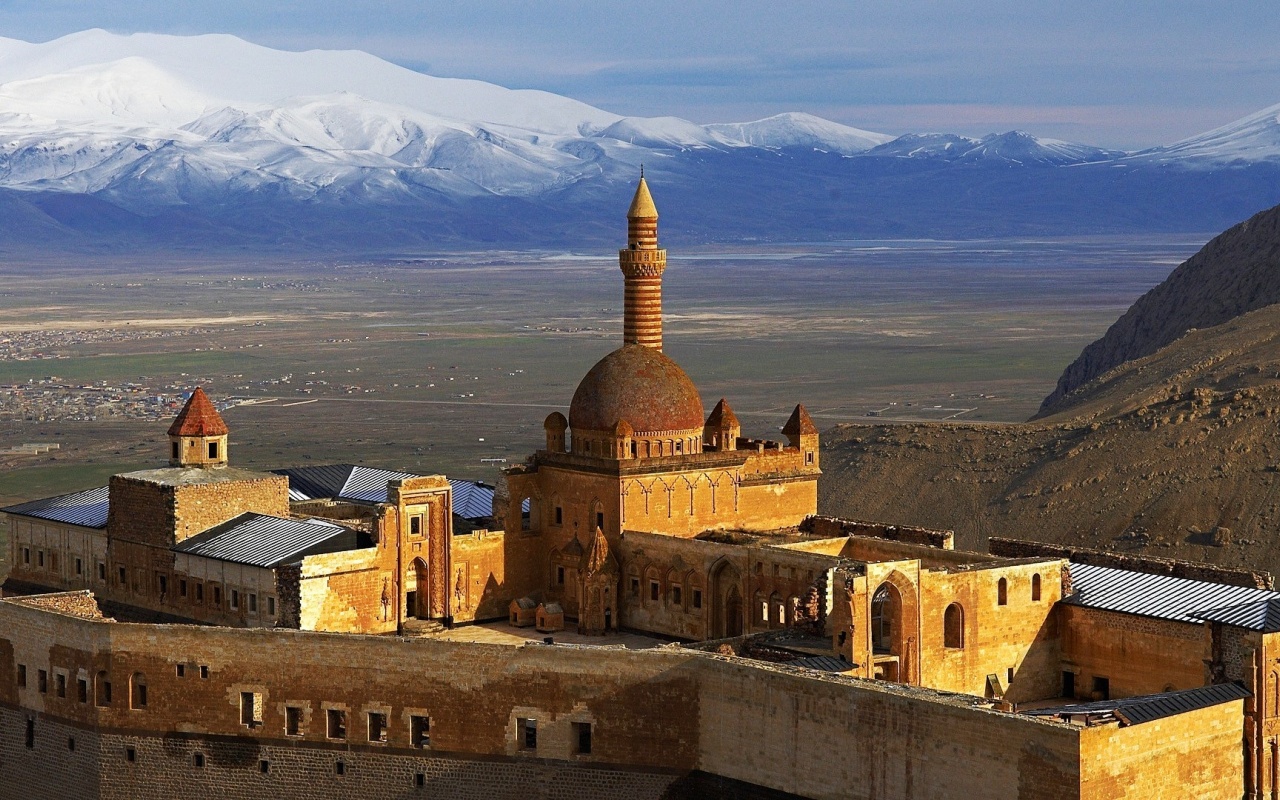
<point x="804" y="131"/>
<point x="946" y="146"/>
<point x="1251" y="139"/>
<point x="661" y="132"/>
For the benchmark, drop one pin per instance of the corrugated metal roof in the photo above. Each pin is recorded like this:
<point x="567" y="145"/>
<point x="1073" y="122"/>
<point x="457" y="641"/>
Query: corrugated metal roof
<point x="87" y="508"/>
<point x="1159" y="596"/>
<point x="341" y="482"/>
<point x="1260" y="615"/>
<point x="472" y="499"/>
<point x="1147" y="708"/>
<point x="824" y="663"/>
<point x="260" y="540"/>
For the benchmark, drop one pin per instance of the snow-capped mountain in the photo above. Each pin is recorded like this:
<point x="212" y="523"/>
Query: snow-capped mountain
<point x="1012" y="148"/>
<point x="1252" y="139"/>
<point x="103" y="135"/>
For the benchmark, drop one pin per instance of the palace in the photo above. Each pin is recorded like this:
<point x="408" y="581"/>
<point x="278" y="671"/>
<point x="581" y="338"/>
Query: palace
<point x="200" y="628"/>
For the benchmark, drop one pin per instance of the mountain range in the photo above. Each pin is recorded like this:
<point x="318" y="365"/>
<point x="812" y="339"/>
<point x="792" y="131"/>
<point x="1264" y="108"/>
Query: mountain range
<point x="212" y="141"/>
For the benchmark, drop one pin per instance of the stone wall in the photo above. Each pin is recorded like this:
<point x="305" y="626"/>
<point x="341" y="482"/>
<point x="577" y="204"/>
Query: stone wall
<point x="654" y="715"/>
<point x="1019" y="548"/>
<point x="830" y="527"/>
<point x="1136" y="655"/>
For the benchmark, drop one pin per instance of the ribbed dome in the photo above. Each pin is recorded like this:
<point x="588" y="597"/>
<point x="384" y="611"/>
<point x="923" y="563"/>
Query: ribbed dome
<point x="641" y="386"/>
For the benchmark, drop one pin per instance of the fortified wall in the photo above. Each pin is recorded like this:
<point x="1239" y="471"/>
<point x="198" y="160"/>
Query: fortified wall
<point x="94" y="708"/>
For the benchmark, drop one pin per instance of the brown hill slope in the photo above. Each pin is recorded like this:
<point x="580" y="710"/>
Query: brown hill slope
<point x="1237" y="272"/>
<point x="1152" y="458"/>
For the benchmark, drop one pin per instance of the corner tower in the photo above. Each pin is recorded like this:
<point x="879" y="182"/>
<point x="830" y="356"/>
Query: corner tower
<point x="642" y="264"/>
<point x="198" y="437"/>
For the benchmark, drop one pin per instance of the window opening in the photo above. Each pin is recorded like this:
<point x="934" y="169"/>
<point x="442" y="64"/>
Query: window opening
<point x="420" y="731"/>
<point x="377" y="726"/>
<point x="337" y="723"/>
<point x="292" y="721"/>
<point x="582" y="738"/>
<point x="1002" y="592"/>
<point x="953" y="626"/>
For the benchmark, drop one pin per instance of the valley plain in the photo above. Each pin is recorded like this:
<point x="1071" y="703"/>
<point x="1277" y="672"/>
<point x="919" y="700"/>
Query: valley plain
<point x="449" y="363"/>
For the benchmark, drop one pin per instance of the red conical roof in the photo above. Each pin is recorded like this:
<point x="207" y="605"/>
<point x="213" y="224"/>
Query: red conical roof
<point x="198" y="418"/>
<point x="799" y="424"/>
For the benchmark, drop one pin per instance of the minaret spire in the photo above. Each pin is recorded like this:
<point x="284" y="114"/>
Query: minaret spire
<point x="642" y="263"/>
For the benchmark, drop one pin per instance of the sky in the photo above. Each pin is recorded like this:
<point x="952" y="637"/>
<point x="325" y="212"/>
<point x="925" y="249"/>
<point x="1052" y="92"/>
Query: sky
<point x="1125" y="74"/>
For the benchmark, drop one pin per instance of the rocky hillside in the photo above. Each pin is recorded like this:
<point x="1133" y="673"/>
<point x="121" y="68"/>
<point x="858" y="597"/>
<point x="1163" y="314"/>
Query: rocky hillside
<point x="1176" y="455"/>
<point x="1237" y="272"/>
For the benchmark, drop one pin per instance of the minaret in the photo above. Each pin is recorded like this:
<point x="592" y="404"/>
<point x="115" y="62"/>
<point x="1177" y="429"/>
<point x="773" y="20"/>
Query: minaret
<point x="642" y="263"/>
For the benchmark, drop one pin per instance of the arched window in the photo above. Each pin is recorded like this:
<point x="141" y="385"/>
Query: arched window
<point x="1002" y="592"/>
<point x="953" y="626"/>
<point x="102" y="690"/>
<point x="762" y="609"/>
<point x="138" y="691"/>
<point x="1035" y="587"/>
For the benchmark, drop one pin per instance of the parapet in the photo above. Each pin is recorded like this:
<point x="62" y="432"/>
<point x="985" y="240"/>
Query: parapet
<point x="1151" y="565"/>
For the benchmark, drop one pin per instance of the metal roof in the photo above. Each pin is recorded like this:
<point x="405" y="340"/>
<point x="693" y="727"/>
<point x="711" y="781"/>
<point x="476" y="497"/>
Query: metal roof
<point x="824" y="663"/>
<point x="1260" y="615"/>
<point x="87" y="508"/>
<point x="1146" y="708"/>
<point x="472" y="499"/>
<point x="265" y="541"/>
<point x="341" y="482"/>
<point x="1160" y="596"/>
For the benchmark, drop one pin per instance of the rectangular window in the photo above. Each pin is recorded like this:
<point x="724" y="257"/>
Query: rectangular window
<point x="53" y="562"/>
<point x="635" y="587"/>
<point x="654" y="590"/>
<point x="560" y="576"/>
<point x="600" y="520"/>
<point x="677" y="596"/>
<point x="124" y="577"/>
<point x="582" y="738"/>
<point x="697" y="598"/>
<point x="26" y="556"/>
<point x="213" y="449"/>
<point x="182" y="587"/>
<point x="60" y="684"/>
<point x="420" y="731"/>
<point x="235" y="600"/>
<point x="217" y="596"/>
<point x="173" y="450"/>
<point x="82" y="690"/>
<point x="250" y="709"/>
<point x="102" y="571"/>
<point x="31" y="733"/>
<point x="253" y="603"/>
<point x="199" y="592"/>
<point x="337" y="723"/>
<point x="197" y="760"/>
<point x="79" y="567"/>
<point x="527" y="733"/>
<point x="340" y="768"/>
<point x="181" y="670"/>
<point x="420" y="780"/>
<point x="1101" y="688"/>
<point x="271" y="606"/>
<point x="40" y="558"/>
<point x="22" y="675"/>
<point x="42" y="681"/>
<point x="292" y="721"/>
<point x="559" y="515"/>
<point x="162" y="584"/>
<point x="415" y="525"/>
<point x="264" y="766"/>
<point x="377" y="726"/>
<point x="204" y="671"/>
<point x="130" y="755"/>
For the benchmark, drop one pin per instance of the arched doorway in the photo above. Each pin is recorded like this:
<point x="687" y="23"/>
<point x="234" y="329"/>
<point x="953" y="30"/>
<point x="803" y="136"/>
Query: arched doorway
<point x="733" y="613"/>
<point x="416" y="596"/>
<point x="728" y="610"/>
<point x="887" y="645"/>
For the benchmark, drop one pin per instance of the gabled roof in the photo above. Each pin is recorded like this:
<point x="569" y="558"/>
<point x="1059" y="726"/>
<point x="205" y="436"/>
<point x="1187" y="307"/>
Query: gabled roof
<point x="341" y="482"/>
<point x="87" y="508"/>
<point x="800" y="423"/>
<point x="1151" y="707"/>
<point x="722" y="416"/>
<point x="1160" y="596"/>
<point x="198" y="418"/>
<point x="260" y="540"/>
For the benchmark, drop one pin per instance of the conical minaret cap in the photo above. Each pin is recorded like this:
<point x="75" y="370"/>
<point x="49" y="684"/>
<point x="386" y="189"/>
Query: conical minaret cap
<point x="642" y="206"/>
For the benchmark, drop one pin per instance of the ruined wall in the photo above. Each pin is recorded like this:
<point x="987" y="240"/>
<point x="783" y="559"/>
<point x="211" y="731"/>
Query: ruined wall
<point x="344" y="591"/>
<point x="1019" y="548"/>
<point x="830" y="527"/>
<point x="1136" y="655"/>
<point x="1196" y="754"/>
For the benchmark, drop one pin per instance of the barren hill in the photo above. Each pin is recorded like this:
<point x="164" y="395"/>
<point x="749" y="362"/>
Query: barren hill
<point x="1237" y="272"/>
<point x="1153" y="456"/>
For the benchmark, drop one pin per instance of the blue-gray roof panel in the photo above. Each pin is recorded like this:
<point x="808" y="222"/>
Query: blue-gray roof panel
<point x="264" y="541"/>
<point x="87" y="508"/>
<point x="1160" y="596"/>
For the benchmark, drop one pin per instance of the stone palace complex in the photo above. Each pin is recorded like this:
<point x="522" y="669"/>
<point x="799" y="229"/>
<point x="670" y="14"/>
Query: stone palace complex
<point x="202" y="630"/>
